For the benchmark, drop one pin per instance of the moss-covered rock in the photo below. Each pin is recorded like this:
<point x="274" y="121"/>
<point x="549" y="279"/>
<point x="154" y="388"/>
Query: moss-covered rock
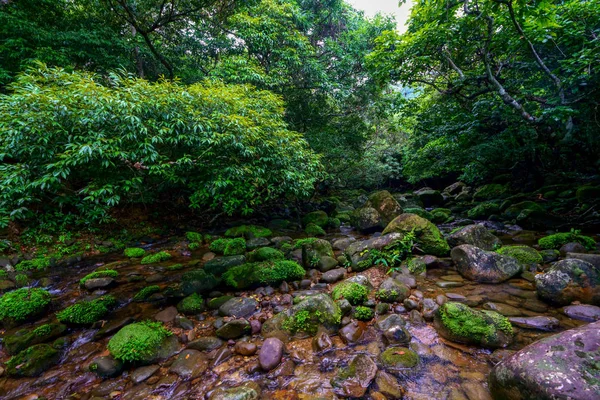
<point x="588" y="194"/>
<point x="33" y="361"/>
<point x="460" y="323"/>
<point x="265" y="254"/>
<point x="524" y="254"/>
<point x="312" y="251"/>
<point x="306" y="316"/>
<point x="219" y="265"/>
<point x="25" y="338"/>
<point x="23" y="304"/>
<point x="514" y="210"/>
<point x="146" y="292"/>
<point x="491" y="191"/>
<point x="441" y="215"/>
<point x="475" y="235"/>
<point x="399" y="359"/>
<point x="558" y="240"/>
<point x="484" y="266"/>
<point x="319" y="218"/>
<point x="139" y="342"/>
<point x="428" y="237"/>
<point x="229" y="247"/>
<point x="35" y="264"/>
<point x="483" y="210"/>
<point x="386" y="206"/>
<point x="198" y="281"/>
<point x="156" y="257"/>
<point x="249" y="231"/>
<point x="192" y="304"/>
<point x="353" y="381"/>
<point x="354" y="292"/>
<point x="570" y="280"/>
<point x="134" y="252"/>
<point x="87" y="312"/>
<point x="266" y="272"/>
<point x="363" y="313"/>
<point x="314" y="230"/>
<point x="421" y="212"/>
<point x="392" y="291"/>
<point x="105" y="273"/>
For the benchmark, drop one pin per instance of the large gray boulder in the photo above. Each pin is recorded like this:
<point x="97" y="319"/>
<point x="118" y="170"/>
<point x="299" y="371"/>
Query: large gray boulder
<point x="359" y="251"/>
<point x="475" y="235"/>
<point x="379" y="210"/>
<point x="484" y="266"/>
<point x="570" y="280"/>
<point x="563" y="366"/>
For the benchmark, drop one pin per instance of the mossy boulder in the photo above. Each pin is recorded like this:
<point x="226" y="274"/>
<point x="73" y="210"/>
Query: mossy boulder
<point x="219" y="265"/>
<point x="354" y="292"/>
<point x="392" y="291"/>
<point x="441" y="215"/>
<point x="263" y="273"/>
<point x="134" y="252"/>
<point x="248" y="231"/>
<point x="319" y="218"/>
<point x="358" y="252"/>
<point x="421" y="212"/>
<point x="265" y="254"/>
<point x="198" y="281"/>
<point x="23" y="304"/>
<point x="428" y="237"/>
<point x="557" y="240"/>
<point x="192" y="304"/>
<point x="33" y="361"/>
<point x="229" y="247"/>
<point x="429" y="197"/>
<point x="25" y="338"/>
<point x="379" y="210"/>
<point x="483" y="210"/>
<point x="314" y="230"/>
<point x="569" y="280"/>
<point x="108" y="274"/>
<point x="562" y="366"/>
<point x="513" y="211"/>
<point x="475" y="235"/>
<point x="87" y="312"/>
<point x="399" y="359"/>
<point x="491" y="191"/>
<point x="156" y="257"/>
<point x="312" y="251"/>
<point x="306" y="316"/>
<point x="484" y="266"/>
<point x="524" y="254"/>
<point x="139" y="342"/>
<point x="588" y="194"/>
<point x="366" y="219"/>
<point x="460" y="323"/>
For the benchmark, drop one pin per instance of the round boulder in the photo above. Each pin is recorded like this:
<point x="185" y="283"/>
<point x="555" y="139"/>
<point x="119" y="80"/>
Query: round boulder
<point x="484" y="266"/>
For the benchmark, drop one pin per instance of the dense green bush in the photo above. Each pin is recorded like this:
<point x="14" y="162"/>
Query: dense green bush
<point x="224" y="147"/>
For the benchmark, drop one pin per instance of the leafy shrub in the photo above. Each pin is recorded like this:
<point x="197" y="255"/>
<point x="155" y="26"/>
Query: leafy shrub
<point x="87" y="312"/>
<point x="146" y="292"/>
<point x="156" y="257"/>
<point x="138" y="342"/>
<point x="107" y="273"/>
<point x="392" y="255"/>
<point x="354" y="292"/>
<point x="22" y="304"/>
<point x="134" y="252"/>
<point x="223" y="147"/>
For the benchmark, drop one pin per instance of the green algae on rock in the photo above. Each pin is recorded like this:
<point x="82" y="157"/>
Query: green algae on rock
<point x="192" y="304"/>
<point x="33" y="361"/>
<point x="524" y="254"/>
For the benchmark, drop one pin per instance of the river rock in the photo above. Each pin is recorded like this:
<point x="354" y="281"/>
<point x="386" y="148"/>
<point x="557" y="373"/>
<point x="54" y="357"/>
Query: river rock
<point x="234" y="329"/>
<point x="593" y="259"/>
<point x="359" y="251"/>
<point x="569" y="280"/>
<point x="245" y="348"/>
<point x="33" y="361"/>
<point x="429" y="197"/>
<point x="189" y="364"/>
<point x="540" y="323"/>
<point x="327" y="263"/>
<point x="428" y="237"/>
<point x="475" y="235"/>
<point x="219" y="265"/>
<point x="255" y="243"/>
<point x="484" y="266"/>
<point x="388" y="385"/>
<point x="583" y="312"/>
<point x="333" y="275"/>
<point x="238" y="307"/>
<point x="270" y="353"/>
<point x="394" y="329"/>
<point x="354" y="381"/>
<point x="140" y="374"/>
<point x="99" y="283"/>
<point x="572" y="247"/>
<point x="247" y="391"/>
<point x="206" y="343"/>
<point x="504" y="309"/>
<point x="352" y="332"/>
<point x="399" y="359"/>
<point x="460" y="323"/>
<point x="563" y="366"/>
<point x="315" y="249"/>
<point x="25" y="338"/>
<point x="106" y="367"/>
<point x="392" y="291"/>
<point x="167" y="315"/>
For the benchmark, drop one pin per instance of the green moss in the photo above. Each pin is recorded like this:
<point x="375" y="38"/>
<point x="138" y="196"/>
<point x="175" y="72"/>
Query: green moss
<point x="305" y="242"/>
<point x="286" y="247"/>
<point x="318" y="218"/>
<point x="265" y="254"/>
<point x="146" y="292"/>
<point x="557" y="240"/>
<point x="461" y="321"/>
<point x="138" y="342"/>
<point x="514" y="210"/>
<point x="399" y="358"/>
<point x="235" y="247"/>
<point x="175" y="267"/>
<point x="248" y="231"/>
<point x="87" y="312"/>
<point x="107" y="273"/>
<point x="491" y="191"/>
<point x="363" y="313"/>
<point x="428" y="237"/>
<point x="43" y="330"/>
<point x="194" y="246"/>
<point x="194" y="237"/>
<point x="386" y="295"/>
<point x="156" y="257"/>
<point x="523" y="254"/>
<point x="134" y="252"/>
<point x="308" y="321"/>
<point x="32" y="361"/>
<point x="334" y="223"/>
<point x="198" y="281"/>
<point x="416" y="266"/>
<point x="314" y="230"/>
<point x="21" y="280"/>
<point x="441" y="215"/>
<point x="483" y="210"/>
<point x="354" y="292"/>
<point x="37" y="264"/>
<point x="3" y="274"/>
<point x="23" y="304"/>
<point x="268" y="272"/>
<point x="192" y="304"/>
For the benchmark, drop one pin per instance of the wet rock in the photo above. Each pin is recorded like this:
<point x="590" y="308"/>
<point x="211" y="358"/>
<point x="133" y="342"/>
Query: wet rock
<point x="99" y="283"/>
<point x="167" y="315"/>
<point x="569" y="280"/>
<point x="221" y="356"/>
<point x="327" y="263"/>
<point x="428" y="237"/>
<point x="358" y="252"/>
<point x="550" y="255"/>
<point x="484" y="266"/>
<point x="429" y="309"/>
<point x="476" y="391"/>
<point x="106" y="367"/>
<point x="475" y="235"/>
<point x="112" y="327"/>
<point x="140" y="374"/>
<point x="342" y="244"/>
<point x="394" y="329"/>
<point x="504" y="309"/>
<point x="415" y="318"/>
<point x="411" y="303"/>
<point x="540" y="323"/>
<point x="25" y="338"/>
<point x="33" y="361"/>
<point x="184" y="323"/>
<point x="593" y="259"/>
<point x="189" y="364"/>
<point x="234" y="329"/>
<point x="353" y="381"/>
<point x="247" y="391"/>
<point x="460" y="323"/>
<point x="321" y="342"/>
<point x="313" y="250"/>
<point x="353" y="332"/>
<point x="408" y="280"/>
<point x="399" y="359"/>
<point x="382" y="308"/>
<point x="563" y="366"/>
<point x="238" y="307"/>
<point x="245" y="348"/>
<point x="572" y="248"/>
<point x="392" y="291"/>
<point x="583" y="312"/>
<point x="255" y="326"/>
<point x="270" y="353"/>
<point x="449" y="285"/>
<point x="255" y="243"/>
<point x="216" y="302"/>
<point x="344" y="306"/>
<point x="207" y="343"/>
<point x="219" y="265"/>
<point x="333" y="275"/>
<point x="388" y="385"/>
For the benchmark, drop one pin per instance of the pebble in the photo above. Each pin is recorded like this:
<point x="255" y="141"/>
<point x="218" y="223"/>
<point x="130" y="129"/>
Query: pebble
<point x="245" y="348"/>
<point x="448" y="285"/>
<point x="270" y="353"/>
